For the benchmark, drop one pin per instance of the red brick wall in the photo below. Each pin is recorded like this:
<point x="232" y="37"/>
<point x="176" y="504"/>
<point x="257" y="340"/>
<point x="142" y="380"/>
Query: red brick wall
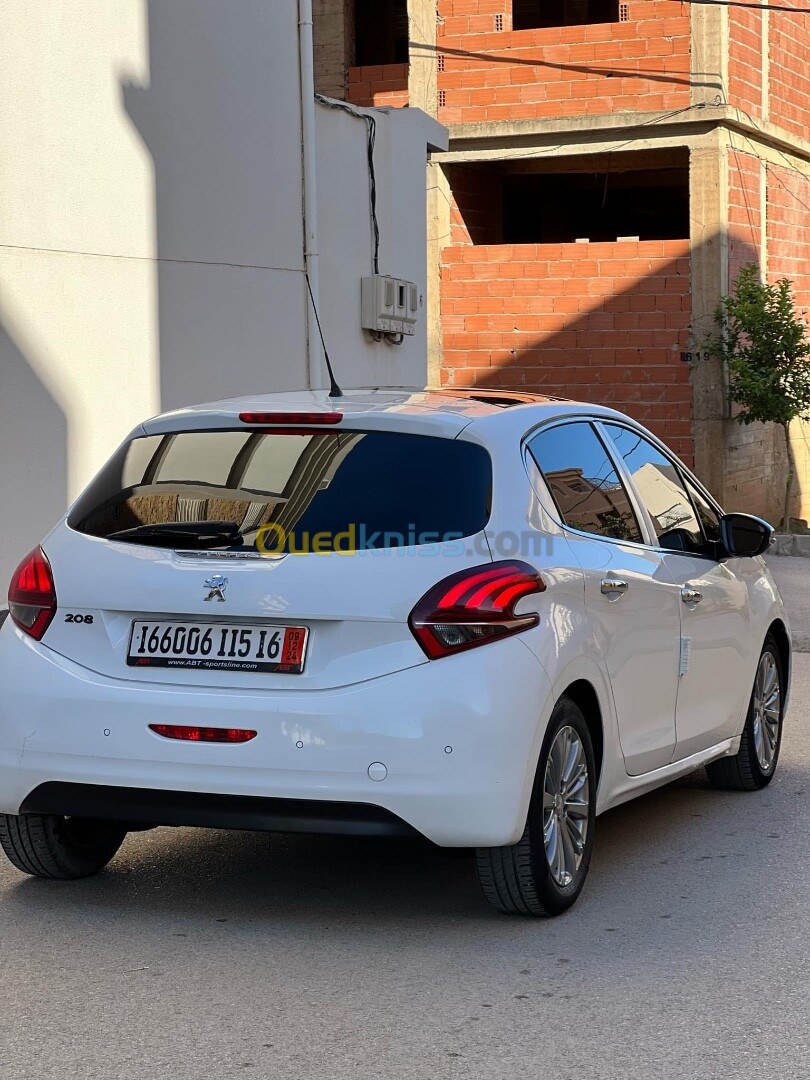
<point x="599" y="322"/>
<point x="386" y="84"/>
<point x="744" y="211"/>
<point x="789" y="230"/>
<point x="789" y="37"/>
<point x="561" y="71"/>
<point x="745" y="60"/>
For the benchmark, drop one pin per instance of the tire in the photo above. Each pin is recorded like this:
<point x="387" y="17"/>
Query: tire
<point x="518" y="879"/>
<point x="59" y="848"/>
<point x="753" y="767"/>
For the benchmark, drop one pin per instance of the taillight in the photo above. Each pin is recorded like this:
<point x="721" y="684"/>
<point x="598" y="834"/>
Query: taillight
<point x="31" y="595"/>
<point x="475" y="606"/>
<point x="203" y="734"/>
<point x="263" y="419"/>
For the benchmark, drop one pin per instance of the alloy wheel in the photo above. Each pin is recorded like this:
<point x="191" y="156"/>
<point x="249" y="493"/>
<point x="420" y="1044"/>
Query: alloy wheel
<point x="767" y="711"/>
<point x="566" y="805"/>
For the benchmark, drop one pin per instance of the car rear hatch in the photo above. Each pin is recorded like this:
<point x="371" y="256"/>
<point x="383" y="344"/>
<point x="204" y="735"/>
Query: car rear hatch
<point x="330" y="532"/>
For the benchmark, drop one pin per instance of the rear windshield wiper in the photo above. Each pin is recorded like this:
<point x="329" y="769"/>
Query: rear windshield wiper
<point x="183" y="534"/>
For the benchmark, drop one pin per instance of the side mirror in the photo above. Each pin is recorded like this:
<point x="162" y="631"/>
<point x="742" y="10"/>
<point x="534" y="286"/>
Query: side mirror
<point x="744" y="535"/>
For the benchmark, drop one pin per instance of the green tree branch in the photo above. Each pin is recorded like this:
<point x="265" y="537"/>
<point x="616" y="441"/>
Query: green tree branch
<point x="765" y="346"/>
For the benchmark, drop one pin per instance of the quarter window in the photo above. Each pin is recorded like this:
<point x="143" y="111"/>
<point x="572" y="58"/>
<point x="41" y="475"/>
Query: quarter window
<point x="709" y="518"/>
<point x="662" y="491"/>
<point x="586" y="488"/>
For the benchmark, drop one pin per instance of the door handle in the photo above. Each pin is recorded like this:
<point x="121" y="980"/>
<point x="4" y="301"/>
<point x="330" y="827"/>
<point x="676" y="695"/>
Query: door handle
<point x="691" y="596"/>
<point x="613" y="587"/>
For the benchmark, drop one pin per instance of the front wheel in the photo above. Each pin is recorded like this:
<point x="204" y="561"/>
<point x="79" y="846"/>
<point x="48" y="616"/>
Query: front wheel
<point x="755" y="763"/>
<point x="60" y="848"/>
<point x="544" y="872"/>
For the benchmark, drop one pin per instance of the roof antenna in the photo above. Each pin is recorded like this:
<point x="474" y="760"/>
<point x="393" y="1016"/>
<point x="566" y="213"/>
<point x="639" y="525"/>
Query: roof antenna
<point x="334" y="389"/>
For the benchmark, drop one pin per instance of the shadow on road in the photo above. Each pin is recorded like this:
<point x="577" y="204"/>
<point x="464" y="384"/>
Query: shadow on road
<point x="680" y="846"/>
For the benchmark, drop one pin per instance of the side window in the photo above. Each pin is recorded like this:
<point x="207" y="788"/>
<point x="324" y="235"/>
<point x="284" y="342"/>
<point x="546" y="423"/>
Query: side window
<point x="661" y="489"/>
<point x="584" y="483"/>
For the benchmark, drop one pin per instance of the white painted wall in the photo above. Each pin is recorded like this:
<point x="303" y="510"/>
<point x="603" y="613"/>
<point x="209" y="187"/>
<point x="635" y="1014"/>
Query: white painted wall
<point x="151" y="239"/>
<point x="346" y="237"/>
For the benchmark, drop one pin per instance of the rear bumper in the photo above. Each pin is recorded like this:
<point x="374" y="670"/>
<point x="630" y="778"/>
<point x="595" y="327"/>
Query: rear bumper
<point x="141" y="806"/>
<point x="459" y="739"/>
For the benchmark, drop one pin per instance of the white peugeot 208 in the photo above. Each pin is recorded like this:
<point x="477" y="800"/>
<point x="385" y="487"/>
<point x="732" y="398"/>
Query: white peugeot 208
<point x="477" y="617"/>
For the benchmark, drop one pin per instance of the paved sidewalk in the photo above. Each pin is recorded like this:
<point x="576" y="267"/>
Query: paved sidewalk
<point x="793" y="578"/>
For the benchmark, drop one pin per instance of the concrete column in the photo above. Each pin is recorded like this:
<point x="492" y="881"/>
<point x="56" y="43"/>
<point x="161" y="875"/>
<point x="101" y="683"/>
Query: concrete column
<point x="710" y="47"/>
<point x="709" y="267"/>
<point x="438" y="207"/>
<point x="422" y="78"/>
<point x="766" y="64"/>
<point x="423" y="94"/>
<point x="333" y="33"/>
<point x="763" y="217"/>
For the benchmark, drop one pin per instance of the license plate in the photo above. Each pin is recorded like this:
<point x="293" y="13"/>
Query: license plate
<point x="218" y="646"/>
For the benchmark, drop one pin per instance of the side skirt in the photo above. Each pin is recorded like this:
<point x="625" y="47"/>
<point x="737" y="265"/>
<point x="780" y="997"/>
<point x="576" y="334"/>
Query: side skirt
<point x="632" y="786"/>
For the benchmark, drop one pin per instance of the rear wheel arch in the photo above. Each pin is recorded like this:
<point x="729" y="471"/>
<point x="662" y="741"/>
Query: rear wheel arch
<point x="778" y="631"/>
<point x="522" y="878"/>
<point x="584" y="695"/>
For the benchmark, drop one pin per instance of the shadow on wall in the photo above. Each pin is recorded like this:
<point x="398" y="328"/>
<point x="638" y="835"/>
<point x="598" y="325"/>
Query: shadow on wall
<point x="33" y="470"/>
<point x="609" y="323"/>
<point x="220" y="113"/>
<point x="707" y="80"/>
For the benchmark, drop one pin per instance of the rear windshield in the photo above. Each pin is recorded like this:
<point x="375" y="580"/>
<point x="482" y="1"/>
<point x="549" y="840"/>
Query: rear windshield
<point x="282" y="492"/>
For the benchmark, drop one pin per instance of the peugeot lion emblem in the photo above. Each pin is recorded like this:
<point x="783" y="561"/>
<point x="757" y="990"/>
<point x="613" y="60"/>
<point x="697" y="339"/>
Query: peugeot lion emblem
<point x="216" y="586"/>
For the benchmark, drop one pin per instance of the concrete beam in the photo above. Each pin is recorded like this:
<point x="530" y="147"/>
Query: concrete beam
<point x="501" y="140"/>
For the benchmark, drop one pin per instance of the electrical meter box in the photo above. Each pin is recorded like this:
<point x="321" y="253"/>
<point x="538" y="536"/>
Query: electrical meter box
<point x="390" y="306"/>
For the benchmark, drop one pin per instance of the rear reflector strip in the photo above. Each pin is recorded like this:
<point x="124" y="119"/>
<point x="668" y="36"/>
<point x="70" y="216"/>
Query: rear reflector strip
<point x="289" y="418"/>
<point x="203" y="734"/>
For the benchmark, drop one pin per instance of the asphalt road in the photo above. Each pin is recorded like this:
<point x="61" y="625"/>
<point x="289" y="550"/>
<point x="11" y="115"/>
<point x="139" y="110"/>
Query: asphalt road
<point x="208" y="955"/>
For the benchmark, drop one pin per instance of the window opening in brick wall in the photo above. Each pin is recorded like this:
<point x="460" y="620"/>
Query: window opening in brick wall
<point x="536" y="14"/>
<point x="380" y="32"/>
<point x="560" y="208"/>
<point x="640" y="196"/>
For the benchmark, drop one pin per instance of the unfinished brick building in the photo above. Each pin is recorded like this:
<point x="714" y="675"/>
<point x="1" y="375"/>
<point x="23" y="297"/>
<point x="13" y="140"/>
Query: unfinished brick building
<point x="612" y="165"/>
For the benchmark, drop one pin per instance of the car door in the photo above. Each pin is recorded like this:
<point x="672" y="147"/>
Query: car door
<point x="715" y="667"/>
<point x="631" y="599"/>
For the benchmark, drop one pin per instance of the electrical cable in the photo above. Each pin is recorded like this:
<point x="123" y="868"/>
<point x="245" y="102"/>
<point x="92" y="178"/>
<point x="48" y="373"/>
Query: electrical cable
<point x="371" y="125"/>
<point x="743" y="4"/>
<point x="788" y="163"/>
